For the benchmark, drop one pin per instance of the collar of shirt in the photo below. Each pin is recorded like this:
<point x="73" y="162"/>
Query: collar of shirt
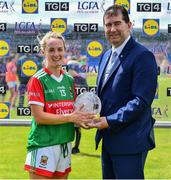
<point x="120" y="48"/>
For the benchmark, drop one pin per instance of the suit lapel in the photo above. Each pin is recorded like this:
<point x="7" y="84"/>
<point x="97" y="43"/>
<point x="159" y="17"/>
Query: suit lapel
<point x="113" y="69"/>
<point x="120" y="59"/>
<point x="103" y="65"/>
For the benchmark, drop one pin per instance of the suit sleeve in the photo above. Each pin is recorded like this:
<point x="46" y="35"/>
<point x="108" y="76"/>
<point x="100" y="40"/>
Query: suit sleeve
<point x="144" y="83"/>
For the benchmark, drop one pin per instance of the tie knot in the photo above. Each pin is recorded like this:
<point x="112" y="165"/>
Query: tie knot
<point x="114" y="56"/>
<point x="114" y="53"/>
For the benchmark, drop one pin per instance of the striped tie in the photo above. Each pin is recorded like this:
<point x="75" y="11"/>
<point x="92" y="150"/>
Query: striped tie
<point x="110" y="64"/>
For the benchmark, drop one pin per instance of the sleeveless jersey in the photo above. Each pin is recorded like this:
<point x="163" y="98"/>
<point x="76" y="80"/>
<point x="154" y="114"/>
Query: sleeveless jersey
<point x="56" y="95"/>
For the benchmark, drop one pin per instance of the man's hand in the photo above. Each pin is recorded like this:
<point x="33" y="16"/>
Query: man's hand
<point x="101" y="123"/>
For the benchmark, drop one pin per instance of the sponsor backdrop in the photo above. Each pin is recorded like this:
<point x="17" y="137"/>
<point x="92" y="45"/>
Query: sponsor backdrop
<point x="24" y="22"/>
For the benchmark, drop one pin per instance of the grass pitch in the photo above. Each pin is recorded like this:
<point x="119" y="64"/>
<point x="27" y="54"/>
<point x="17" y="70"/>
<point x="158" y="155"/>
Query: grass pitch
<point x="87" y="164"/>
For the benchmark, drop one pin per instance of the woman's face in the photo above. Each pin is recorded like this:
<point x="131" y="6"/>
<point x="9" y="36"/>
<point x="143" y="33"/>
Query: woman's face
<point x="54" y="52"/>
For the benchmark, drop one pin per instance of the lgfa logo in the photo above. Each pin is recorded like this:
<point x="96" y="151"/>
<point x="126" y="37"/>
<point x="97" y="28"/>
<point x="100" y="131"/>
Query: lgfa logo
<point x="6" y="6"/>
<point x="90" y="7"/>
<point x="169" y="7"/>
<point x="29" y="68"/>
<point x="4" y="48"/>
<point x="4" y="110"/>
<point x="29" y="6"/>
<point x="123" y="3"/>
<point x="160" y="112"/>
<point x="59" y="25"/>
<point x="151" y="27"/>
<point x="94" y="48"/>
<point x="26" y="28"/>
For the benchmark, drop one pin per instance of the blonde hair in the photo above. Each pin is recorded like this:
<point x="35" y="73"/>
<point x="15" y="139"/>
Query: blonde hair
<point x="47" y="36"/>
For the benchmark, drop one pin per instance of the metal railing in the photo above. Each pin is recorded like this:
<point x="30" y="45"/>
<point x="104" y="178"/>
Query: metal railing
<point x="27" y="122"/>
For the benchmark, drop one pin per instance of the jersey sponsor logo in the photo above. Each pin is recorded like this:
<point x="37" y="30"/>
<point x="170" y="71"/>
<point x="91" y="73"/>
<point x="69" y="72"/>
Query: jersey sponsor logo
<point x="124" y="3"/>
<point x="4" y="110"/>
<point x="56" y="6"/>
<point x="60" y="107"/>
<point x="29" y="68"/>
<point x="64" y="111"/>
<point x="29" y="6"/>
<point x="151" y="27"/>
<point x="4" y="48"/>
<point x="94" y="48"/>
<point x="59" y="25"/>
<point x="60" y="104"/>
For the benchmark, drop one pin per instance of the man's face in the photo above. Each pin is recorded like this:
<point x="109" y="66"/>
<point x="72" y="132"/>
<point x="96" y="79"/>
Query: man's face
<point x="116" y="29"/>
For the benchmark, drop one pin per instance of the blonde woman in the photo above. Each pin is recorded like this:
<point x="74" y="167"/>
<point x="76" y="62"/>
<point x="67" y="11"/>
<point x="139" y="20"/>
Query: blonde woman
<point x="51" y="97"/>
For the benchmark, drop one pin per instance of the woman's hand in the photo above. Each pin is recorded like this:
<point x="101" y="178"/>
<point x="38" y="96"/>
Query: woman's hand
<point x="82" y="118"/>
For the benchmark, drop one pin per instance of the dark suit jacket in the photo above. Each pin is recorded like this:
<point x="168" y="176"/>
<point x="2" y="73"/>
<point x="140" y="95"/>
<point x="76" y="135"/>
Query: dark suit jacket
<point x="126" y="100"/>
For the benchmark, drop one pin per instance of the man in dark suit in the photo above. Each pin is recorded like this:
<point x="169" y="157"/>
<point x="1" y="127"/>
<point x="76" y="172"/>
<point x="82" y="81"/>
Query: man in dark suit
<point x="126" y="85"/>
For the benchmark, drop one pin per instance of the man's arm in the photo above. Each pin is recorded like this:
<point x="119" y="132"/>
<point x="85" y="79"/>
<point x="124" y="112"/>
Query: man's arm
<point x="144" y="85"/>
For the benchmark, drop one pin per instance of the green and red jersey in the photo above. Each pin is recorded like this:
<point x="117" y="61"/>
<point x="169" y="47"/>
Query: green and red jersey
<point x="57" y="96"/>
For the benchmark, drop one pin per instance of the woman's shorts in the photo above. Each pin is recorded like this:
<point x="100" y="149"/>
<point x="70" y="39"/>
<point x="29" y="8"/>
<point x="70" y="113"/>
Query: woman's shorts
<point x="50" y="161"/>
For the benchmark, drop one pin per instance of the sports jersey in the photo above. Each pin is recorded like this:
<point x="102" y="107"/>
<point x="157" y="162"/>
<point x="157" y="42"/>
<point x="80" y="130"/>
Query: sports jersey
<point x="56" y="95"/>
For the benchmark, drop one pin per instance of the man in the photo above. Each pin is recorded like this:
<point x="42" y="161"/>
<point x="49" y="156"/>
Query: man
<point x="126" y="88"/>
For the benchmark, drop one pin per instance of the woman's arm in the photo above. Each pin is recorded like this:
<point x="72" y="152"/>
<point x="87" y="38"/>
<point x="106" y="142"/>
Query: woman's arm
<point x="77" y="116"/>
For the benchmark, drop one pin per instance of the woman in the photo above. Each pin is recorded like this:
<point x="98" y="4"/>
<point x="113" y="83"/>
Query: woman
<point x="51" y="98"/>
